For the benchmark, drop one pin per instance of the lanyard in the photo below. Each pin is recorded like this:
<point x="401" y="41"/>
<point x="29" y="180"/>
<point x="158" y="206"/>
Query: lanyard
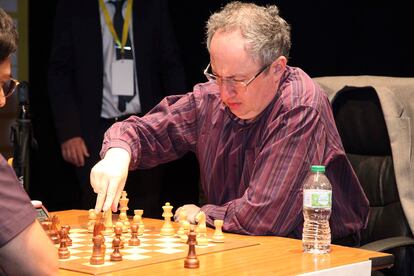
<point x="110" y="25"/>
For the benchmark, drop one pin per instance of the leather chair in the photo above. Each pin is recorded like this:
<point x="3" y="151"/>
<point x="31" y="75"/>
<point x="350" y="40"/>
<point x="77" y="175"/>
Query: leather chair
<point x="361" y="125"/>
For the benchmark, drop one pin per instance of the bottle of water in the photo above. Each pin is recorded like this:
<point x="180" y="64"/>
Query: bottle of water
<point x="317" y="203"/>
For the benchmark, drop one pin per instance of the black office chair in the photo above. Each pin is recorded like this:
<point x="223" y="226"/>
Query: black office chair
<point x="361" y="125"/>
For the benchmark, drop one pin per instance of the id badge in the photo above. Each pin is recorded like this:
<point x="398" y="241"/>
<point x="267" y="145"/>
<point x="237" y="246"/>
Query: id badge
<point x="123" y="77"/>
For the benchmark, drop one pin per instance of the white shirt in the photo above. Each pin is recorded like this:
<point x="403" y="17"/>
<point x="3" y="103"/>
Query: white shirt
<point x="110" y="101"/>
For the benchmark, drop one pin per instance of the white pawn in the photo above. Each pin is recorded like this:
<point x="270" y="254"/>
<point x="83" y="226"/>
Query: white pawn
<point x="218" y="235"/>
<point x="201" y="229"/>
<point x="138" y="220"/>
<point x="186" y="230"/>
<point x="123" y="218"/>
<point x="167" y="228"/>
<point x="182" y="216"/>
<point x="109" y="227"/>
<point x="91" y="220"/>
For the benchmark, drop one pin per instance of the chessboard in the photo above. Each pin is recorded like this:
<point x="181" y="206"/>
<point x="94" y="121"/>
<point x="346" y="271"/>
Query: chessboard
<point x="153" y="248"/>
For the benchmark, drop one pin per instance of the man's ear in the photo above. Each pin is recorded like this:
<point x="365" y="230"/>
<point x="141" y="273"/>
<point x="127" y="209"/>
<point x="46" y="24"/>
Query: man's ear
<point x="279" y="65"/>
<point x="278" y="68"/>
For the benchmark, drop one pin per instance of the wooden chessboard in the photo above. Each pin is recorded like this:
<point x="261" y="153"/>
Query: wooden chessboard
<point x="154" y="248"/>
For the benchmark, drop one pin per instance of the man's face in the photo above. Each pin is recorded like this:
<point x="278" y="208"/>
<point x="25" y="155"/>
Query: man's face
<point x="5" y="72"/>
<point x="230" y="61"/>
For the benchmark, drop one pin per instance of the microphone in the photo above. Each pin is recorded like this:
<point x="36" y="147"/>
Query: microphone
<point x="23" y="99"/>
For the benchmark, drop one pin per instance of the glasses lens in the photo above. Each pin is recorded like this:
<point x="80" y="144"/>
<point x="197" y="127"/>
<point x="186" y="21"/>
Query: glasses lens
<point x="9" y="86"/>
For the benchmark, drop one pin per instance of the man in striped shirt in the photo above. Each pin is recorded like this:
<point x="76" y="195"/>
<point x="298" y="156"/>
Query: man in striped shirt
<point x="256" y="127"/>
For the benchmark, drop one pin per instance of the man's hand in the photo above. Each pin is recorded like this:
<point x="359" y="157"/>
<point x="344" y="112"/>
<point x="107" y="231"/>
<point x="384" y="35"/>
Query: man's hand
<point x="74" y="151"/>
<point x="108" y="178"/>
<point x="192" y="211"/>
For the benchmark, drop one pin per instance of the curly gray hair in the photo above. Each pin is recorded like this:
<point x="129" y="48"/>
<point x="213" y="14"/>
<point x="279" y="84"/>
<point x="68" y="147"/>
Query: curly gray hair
<point x="267" y="35"/>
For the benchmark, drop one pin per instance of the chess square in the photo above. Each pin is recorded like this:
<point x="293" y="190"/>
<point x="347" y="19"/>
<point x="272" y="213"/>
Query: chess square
<point x="169" y="245"/>
<point x="134" y="250"/>
<point x="71" y="258"/>
<point x="136" y="257"/>
<point x="167" y="239"/>
<point x="169" y="250"/>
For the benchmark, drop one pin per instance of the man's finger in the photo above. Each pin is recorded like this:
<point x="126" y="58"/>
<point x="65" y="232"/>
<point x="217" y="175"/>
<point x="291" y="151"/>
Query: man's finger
<point x="116" y="201"/>
<point x="100" y="199"/>
<point x="110" y="193"/>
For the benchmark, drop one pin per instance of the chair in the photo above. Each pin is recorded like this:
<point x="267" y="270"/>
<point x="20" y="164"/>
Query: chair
<point x="361" y="125"/>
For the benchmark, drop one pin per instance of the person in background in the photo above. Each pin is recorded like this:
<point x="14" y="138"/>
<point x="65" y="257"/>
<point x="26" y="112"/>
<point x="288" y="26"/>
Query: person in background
<point x="25" y="249"/>
<point x="110" y="60"/>
<point x="256" y="127"/>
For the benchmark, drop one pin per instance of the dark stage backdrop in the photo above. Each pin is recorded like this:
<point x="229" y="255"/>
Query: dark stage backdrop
<point x="328" y="38"/>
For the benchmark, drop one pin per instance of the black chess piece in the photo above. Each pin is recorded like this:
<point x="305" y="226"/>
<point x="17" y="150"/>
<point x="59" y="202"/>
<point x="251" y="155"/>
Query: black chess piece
<point x="134" y="240"/>
<point x="98" y="253"/>
<point x="63" y="251"/>
<point x="191" y="260"/>
<point x="116" y="255"/>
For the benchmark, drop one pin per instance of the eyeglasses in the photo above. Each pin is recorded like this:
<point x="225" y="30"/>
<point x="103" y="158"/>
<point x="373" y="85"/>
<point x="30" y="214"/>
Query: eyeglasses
<point x="9" y="86"/>
<point x="237" y="85"/>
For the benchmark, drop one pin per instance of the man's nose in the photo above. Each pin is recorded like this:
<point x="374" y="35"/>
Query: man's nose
<point x="226" y="91"/>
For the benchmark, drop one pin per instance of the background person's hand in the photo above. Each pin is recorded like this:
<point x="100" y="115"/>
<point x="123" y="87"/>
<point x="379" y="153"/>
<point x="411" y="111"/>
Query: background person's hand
<point x="108" y="178"/>
<point x="74" y="151"/>
<point x="192" y="211"/>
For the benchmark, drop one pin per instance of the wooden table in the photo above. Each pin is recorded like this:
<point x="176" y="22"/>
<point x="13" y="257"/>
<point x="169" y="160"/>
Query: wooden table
<point x="271" y="255"/>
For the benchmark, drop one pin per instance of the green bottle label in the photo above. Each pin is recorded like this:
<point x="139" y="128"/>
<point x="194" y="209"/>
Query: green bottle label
<point x="313" y="198"/>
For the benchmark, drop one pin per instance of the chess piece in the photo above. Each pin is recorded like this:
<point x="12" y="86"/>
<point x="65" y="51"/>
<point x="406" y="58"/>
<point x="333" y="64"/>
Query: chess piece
<point x="54" y="233"/>
<point x="97" y="230"/>
<point x="134" y="240"/>
<point x="98" y="252"/>
<point x="191" y="260"/>
<point x="91" y="220"/>
<point x="138" y="219"/>
<point x="68" y="239"/>
<point x="123" y="218"/>
<point x="167" y="228"/>
<point x="182" y="216"/>
<point x="218" y="235"/>
<point x="109" y="227"/>
<point x="118" y="233"/>
<point x="116" y="255"/>
<point x="201" y="229"/>
<point x="63" y="251"/>
<point x="186" y="230"/>
<point x="123" y="203"/>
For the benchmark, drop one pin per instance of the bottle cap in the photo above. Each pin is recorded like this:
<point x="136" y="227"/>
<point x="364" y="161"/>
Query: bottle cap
<point x="318" y="168"/>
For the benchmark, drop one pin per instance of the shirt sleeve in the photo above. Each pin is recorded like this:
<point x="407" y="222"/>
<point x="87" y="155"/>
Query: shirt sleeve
<point x="273" y="200"/>
<point x="16" y="210"/>
<point x="166" y="133"/>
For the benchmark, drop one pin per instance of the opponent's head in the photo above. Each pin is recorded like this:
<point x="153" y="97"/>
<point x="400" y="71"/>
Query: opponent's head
<point x="8" y="45"/>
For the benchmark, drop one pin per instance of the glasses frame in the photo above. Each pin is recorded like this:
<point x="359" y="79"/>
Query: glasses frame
<point x="15" y="83"/>
<point x="212" y="77"/>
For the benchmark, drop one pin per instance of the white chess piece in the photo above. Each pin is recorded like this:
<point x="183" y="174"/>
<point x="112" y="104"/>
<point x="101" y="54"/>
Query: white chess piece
<point x="167" y="228"/>
<point x="201" y="229"/>
<point x="182" y="217"/>
<point x="218" y="235"/>
<point x="91" y="220"/>
<point x="109" y="227"/>
<point x="138" y="220"/>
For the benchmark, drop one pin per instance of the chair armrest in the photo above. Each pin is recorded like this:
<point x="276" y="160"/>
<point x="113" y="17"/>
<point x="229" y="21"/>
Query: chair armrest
<point x="388" y="243"/>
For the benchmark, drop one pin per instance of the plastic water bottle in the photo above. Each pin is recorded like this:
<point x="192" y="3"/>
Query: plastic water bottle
<point x="317" y="204"/>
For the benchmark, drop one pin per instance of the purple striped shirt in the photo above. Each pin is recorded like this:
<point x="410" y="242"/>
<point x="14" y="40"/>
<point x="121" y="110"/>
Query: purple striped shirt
<point x="252" y="172"/>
